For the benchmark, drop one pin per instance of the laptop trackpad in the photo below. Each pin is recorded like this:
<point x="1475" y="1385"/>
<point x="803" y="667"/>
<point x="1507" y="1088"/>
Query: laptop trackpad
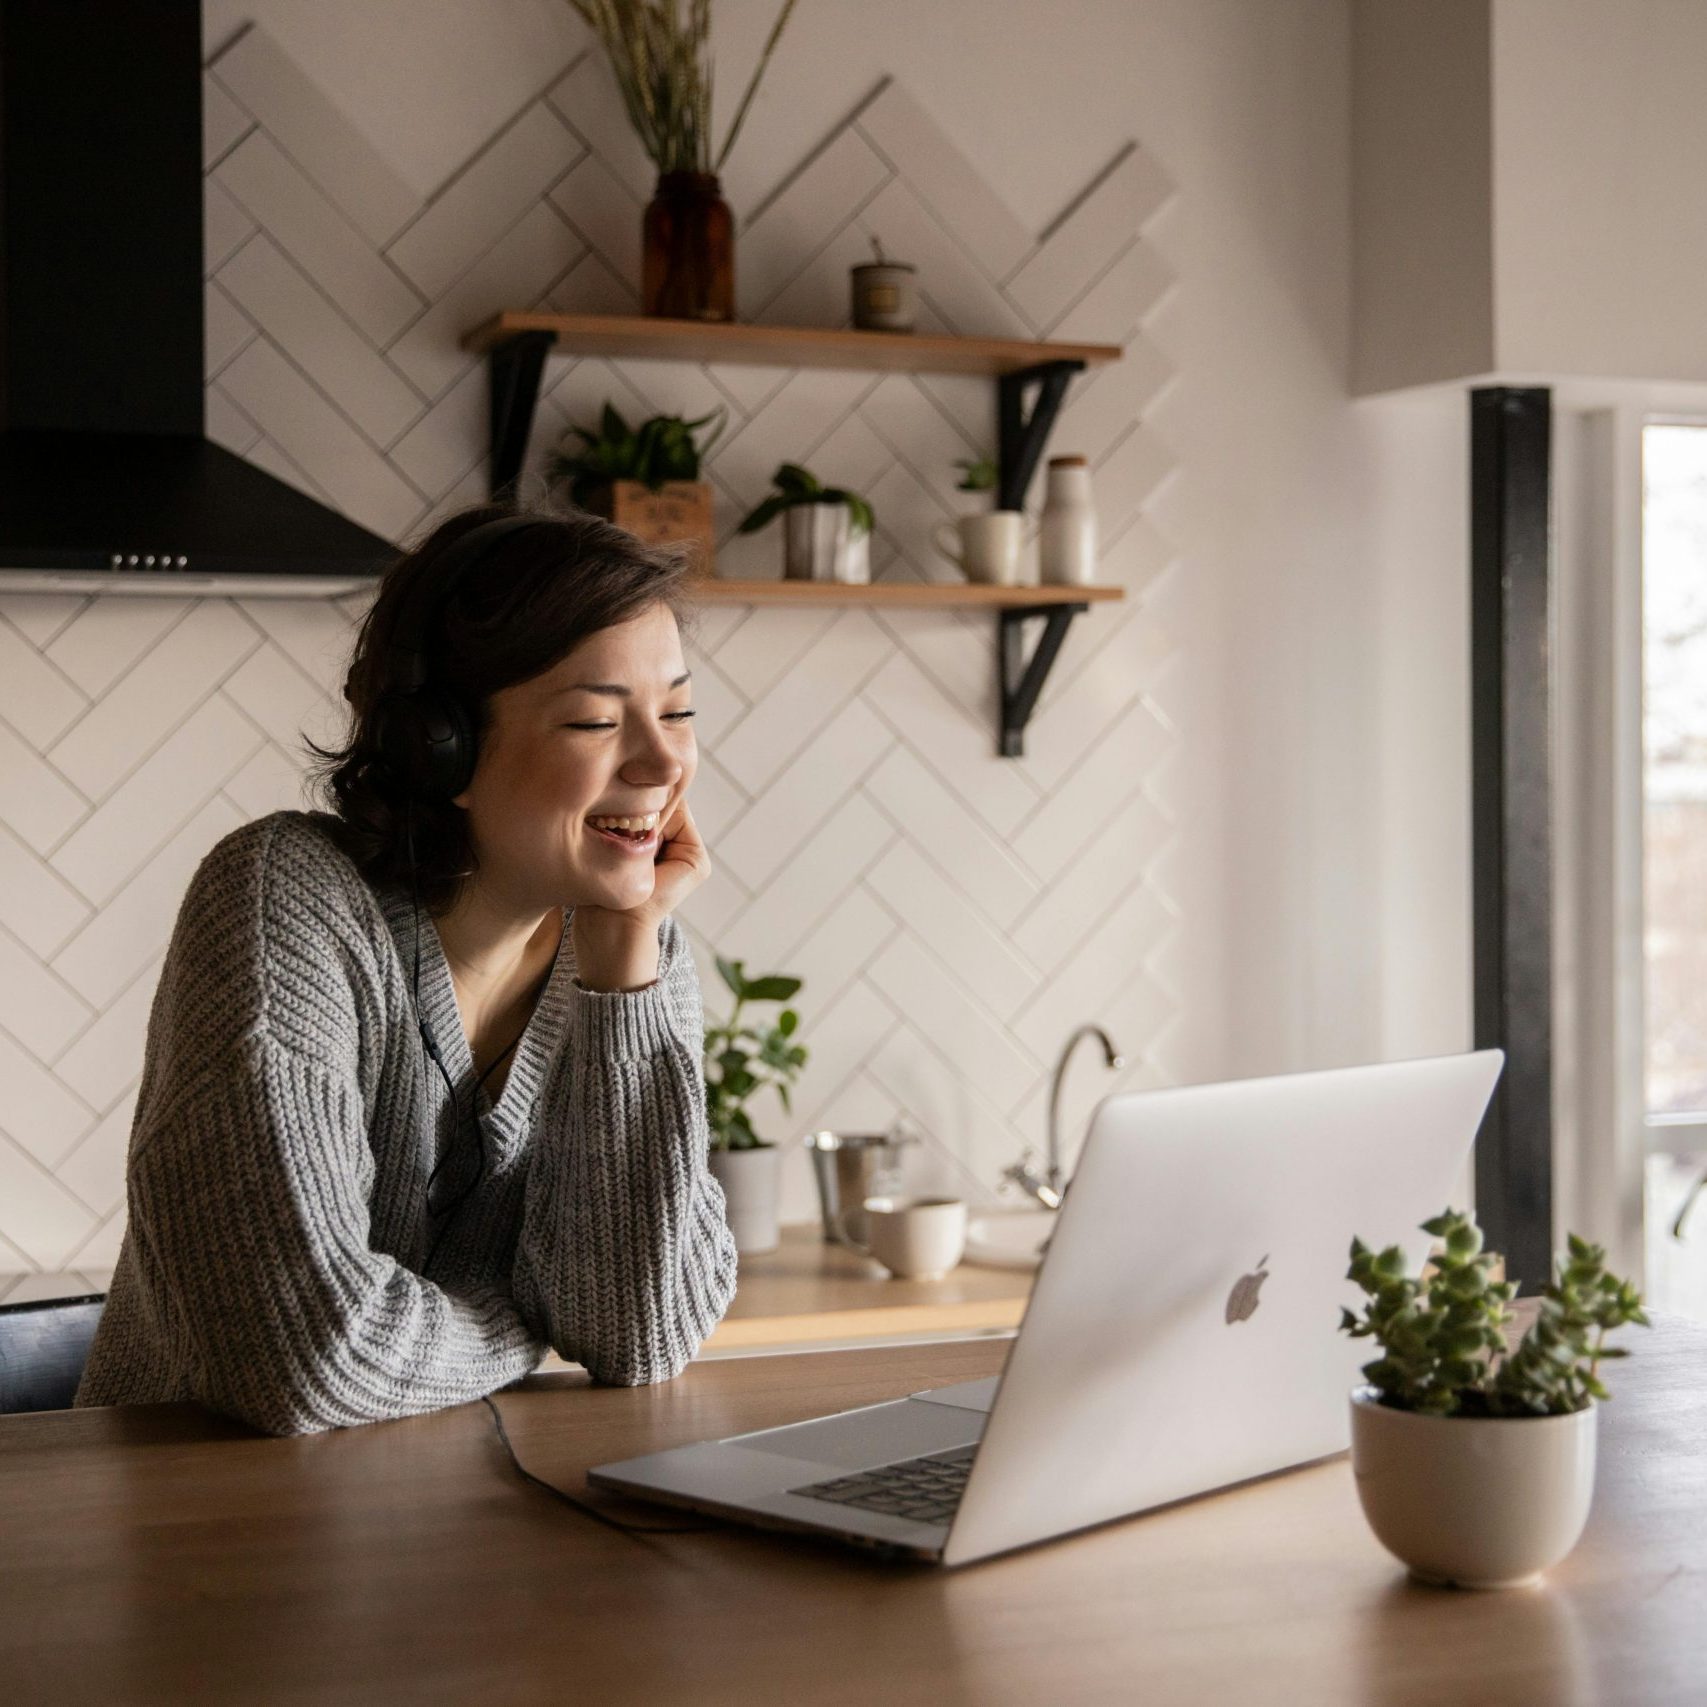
<point x="878" y="1434"/>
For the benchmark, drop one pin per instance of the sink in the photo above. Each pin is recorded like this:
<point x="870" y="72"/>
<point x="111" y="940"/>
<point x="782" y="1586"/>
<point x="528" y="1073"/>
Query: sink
<point x="1009" y="1238"/>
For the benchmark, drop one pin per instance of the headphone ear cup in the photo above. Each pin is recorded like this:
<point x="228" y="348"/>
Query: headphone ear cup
<point x="448" y="738"/>
<point x="425" y="743"/>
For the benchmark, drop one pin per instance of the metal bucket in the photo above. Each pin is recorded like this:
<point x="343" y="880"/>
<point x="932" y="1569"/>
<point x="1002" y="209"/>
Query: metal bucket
<point x="849" y="1168"/>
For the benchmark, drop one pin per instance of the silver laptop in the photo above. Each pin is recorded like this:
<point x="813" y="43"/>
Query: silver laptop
<point x="1200" y="1255"/>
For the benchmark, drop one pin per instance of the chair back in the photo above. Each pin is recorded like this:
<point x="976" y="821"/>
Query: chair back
<point x="43" y="1347"/>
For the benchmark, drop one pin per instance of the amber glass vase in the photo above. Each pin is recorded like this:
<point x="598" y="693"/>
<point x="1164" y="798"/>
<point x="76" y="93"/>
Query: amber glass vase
<point x="688" y="268"/>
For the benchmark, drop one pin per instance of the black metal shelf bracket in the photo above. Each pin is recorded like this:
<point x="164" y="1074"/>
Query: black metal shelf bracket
<point x="1022" y="682"/>
<point x="1020" y="437"/>
<point x="516" y="366"/>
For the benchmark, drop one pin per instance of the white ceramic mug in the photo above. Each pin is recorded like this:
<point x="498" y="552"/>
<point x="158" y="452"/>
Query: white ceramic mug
<point x="915" y="1238"/>
<point x="991" y="545"/>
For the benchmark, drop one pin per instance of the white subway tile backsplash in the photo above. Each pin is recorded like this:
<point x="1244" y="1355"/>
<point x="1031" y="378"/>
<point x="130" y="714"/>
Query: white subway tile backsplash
<point x="319" y="340"/>
<point x="36" y="1006"/>
<point x="328" y="145"/>
<point x="801" y="795"/>
<point x="36" y="905"/>
<point x="152" y="699"/>
<point x="802" y="700"/>
<point x="106" y="1060"/>
<point x="35" y="698"/>
<point x="36" y="803"/>
<point x="44" y="1221"/>
<point x="224" y="122"/>
<point x="38" y="1112"/>
<point x="319" y="439"/>
<point x="226" y="226"/>
<point x="109" y="635"/>
<point x="40" y="616"/>
<point x="94" y="1170"/>
<point x="951" y="912"/>
<point x="134" y="927"/>
<point x="484" y="200"/>
<point x="942" y="177"/>
<point x="143" y="812"/>
<point x="934" y="908"/>
<point x="1082" y="244"/>
<point x="317" y="236"/>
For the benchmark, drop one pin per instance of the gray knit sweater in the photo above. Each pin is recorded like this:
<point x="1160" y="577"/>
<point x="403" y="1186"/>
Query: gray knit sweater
<point x="272" y="1266"/>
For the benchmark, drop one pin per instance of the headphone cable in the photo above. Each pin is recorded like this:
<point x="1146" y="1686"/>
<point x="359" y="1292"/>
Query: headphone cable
<point x="581" y="1505"/>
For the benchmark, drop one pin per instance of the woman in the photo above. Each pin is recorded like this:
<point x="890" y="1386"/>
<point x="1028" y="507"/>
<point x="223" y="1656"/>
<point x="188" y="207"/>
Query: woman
<point x="422" y="1090"/>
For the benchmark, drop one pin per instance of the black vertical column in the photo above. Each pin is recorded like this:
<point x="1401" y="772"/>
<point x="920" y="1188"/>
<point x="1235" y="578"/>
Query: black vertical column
<point x="1511" y="828"/>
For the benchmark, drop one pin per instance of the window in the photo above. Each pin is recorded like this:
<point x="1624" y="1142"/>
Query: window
<point x="1674" y="856"/>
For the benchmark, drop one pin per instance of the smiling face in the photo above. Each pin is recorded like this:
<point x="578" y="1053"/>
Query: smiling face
<point x="606" y="732"/>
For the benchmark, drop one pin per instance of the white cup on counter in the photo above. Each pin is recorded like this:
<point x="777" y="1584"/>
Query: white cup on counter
<point x="915" y="1238"/>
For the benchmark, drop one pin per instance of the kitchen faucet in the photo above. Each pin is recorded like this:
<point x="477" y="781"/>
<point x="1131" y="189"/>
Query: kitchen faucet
<point x="1050" y="1188"/>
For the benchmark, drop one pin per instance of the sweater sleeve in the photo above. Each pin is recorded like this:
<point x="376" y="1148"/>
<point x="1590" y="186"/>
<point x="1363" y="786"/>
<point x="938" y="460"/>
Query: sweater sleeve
<point x="625" y="1260"/>
<point x="248" y="1205"/>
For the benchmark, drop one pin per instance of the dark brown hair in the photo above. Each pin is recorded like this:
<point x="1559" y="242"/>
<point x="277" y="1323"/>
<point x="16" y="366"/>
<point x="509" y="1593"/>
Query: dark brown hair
<point x="536" y="595"/>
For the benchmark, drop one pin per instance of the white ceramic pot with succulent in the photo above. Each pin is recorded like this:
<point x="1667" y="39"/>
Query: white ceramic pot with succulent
<point x="1474" y="1459"/>
<point x="826" y="530"/>
<point x="740" y="1060"/>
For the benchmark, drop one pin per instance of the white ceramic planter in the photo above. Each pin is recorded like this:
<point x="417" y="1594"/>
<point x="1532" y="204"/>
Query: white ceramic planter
<point x="749" y="1179"/>
<point x="820" y="544"/>
<point x="1479" y="1502"/>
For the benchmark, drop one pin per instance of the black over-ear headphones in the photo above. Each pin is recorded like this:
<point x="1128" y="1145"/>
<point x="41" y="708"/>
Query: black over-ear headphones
<point x="423" y="733"/>
<point x="426" y="744"/>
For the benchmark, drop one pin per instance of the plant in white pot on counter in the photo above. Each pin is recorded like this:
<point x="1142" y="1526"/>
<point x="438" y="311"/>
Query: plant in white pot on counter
<point x="740" y="1061"/>
<point x="1474" y="1460"/>
<point x="826" y="530"/>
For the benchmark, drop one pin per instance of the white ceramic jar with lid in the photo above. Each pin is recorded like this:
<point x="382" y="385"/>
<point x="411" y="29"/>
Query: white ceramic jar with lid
<point x="1067" y="542"/>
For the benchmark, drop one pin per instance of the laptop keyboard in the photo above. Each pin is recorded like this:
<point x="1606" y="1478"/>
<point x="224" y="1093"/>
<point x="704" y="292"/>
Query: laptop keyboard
<point x="924" y="1489"/>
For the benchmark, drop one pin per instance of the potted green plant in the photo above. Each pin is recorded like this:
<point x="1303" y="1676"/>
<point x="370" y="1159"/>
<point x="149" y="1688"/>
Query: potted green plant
<point x="740" y="1061"/>
<point x="645" y="478"/>
<point x="1474" y="1459"/>
<point x="826" y="530"/>
<point x="661" y="58"/>
<point x="986" y="544"/>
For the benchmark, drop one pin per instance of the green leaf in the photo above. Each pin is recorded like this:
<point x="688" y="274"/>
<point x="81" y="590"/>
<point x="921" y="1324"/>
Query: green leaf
<point x="795" y="480"/>
<point x="772" y="989"/>
<point x="765" y="512"/>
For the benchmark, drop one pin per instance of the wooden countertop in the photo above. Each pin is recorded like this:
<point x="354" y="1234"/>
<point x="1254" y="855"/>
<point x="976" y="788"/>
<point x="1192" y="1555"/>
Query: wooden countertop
<point x="809" y="1289"/>
<point x="158" y="1554"/>
<point x="809" y="1292"/>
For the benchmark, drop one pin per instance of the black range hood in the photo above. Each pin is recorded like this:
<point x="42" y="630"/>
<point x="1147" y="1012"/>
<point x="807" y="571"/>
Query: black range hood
<point x="108" y="482"/>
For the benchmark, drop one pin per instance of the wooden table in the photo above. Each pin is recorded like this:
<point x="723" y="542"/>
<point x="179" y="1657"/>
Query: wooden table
<point x="154" y="1554"/>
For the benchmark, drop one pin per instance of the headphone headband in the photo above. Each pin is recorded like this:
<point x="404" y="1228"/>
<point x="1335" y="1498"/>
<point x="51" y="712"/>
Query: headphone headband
<point x="406" y="654"/>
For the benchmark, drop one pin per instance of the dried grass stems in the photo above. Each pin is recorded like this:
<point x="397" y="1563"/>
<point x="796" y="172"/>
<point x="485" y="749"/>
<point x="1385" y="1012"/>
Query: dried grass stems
<point x="663" y="67"/>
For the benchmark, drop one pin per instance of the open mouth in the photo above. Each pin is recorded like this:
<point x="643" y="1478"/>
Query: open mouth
<point x="634" y="835"/>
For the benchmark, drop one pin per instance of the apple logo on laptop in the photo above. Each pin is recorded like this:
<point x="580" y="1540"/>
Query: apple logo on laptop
<point x="1242" y="1301"/>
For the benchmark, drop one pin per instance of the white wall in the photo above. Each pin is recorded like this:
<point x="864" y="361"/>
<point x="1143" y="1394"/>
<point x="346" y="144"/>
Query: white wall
<point x="1527" y="190"/>
<point x="1299" y="635"/>
<point x="1600" y="144"/>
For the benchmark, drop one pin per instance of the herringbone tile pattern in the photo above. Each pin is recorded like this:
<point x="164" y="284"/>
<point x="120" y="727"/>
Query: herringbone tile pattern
<point x="952" y="913"/>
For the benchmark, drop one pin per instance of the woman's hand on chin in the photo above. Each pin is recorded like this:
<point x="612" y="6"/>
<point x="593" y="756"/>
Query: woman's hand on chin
<point x="617" y="949"/>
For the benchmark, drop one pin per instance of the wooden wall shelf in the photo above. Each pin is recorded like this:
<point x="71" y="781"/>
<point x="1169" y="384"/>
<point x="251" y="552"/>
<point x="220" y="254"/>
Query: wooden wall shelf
<point x="517" y="342"/>
<point x="645" y="338"/>
<point x="916" y="595"/>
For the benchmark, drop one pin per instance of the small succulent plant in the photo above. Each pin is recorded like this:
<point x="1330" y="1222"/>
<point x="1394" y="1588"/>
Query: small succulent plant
<point x="742" y="1059"/>
<point x="1442" y="1334"/>
<point x="976" y="475"/>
